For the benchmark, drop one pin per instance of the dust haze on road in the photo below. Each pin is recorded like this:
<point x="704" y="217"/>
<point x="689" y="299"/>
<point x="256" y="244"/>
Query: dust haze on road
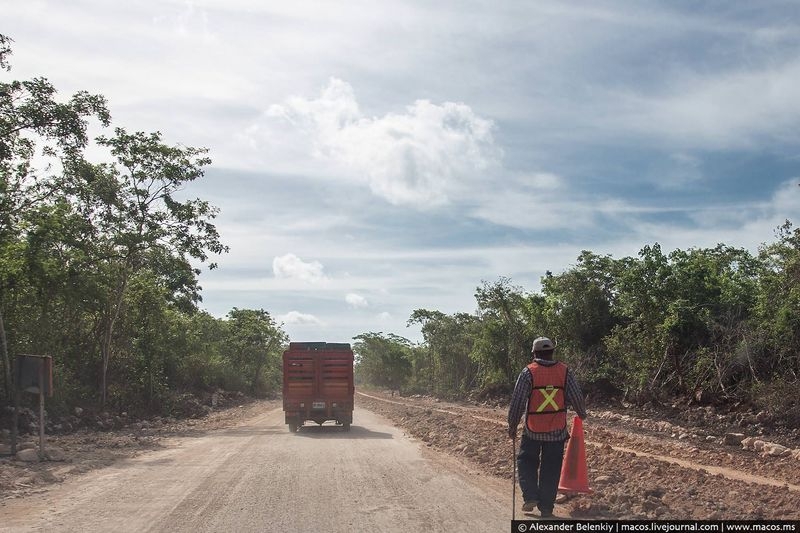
<point x="259" y="477"/>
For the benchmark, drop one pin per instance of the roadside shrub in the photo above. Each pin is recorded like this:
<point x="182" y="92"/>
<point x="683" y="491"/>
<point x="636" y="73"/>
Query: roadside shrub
<point x="779" y="399"/>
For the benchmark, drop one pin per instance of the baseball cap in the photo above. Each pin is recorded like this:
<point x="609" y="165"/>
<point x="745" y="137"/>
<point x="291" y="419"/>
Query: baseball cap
<point x="543" y="343"/>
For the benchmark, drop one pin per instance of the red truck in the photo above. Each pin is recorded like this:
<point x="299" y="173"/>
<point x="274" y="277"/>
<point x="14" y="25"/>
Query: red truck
<point x="318" y="383"/>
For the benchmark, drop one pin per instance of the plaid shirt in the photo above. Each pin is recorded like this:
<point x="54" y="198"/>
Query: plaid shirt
<point x="522" y="393"/>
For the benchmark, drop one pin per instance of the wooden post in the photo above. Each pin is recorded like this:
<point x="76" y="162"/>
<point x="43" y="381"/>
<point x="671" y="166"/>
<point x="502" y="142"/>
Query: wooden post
<point x="41" y="409"/>
<point x="33" y="373"/>
<point x="15" y="421"/>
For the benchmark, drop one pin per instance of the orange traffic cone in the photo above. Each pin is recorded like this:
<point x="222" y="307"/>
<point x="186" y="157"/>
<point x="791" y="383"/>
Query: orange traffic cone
<point x="574" y="477"/>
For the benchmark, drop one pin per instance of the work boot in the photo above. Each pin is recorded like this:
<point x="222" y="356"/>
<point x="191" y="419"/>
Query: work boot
<point x="546" y="514"/>
<point x="528" y="507"/>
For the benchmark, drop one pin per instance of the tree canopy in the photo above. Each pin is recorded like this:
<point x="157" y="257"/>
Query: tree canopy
<point x="99" y="261"/>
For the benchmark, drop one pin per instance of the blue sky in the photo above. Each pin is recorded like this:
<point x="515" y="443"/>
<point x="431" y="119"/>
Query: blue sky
<point x="371" y="158"/>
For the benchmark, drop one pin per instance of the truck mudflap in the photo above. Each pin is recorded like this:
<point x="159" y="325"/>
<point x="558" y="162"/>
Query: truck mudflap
<point x="339" y="416"/>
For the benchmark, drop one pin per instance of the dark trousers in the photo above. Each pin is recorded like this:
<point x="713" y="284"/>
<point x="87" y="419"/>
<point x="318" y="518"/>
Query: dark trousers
<point x="539" y="465"/>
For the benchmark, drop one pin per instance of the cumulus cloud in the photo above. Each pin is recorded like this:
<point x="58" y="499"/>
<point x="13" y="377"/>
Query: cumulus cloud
<point x="296" y="317"/>
<point x="290" y="266"/>
<point x="421" y="157"/>
<point x="356" y="301"/>
<point x="385" y="316"/>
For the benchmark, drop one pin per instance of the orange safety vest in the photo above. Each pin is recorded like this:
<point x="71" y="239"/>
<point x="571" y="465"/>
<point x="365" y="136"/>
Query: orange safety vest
<point x="547" y="409"/>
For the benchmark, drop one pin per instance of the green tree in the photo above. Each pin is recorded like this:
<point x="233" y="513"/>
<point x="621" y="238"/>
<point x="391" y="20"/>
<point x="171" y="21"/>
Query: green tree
<point x="644" y="286"/>
<point x="714" y="295"/>
<point x="579" y="312"/>
<point x="98" y="261"/>
<point x="444" y="365"/>
<point x="133" y="207"/>
<point x="5" y="51"/>
<point x="32" y="122"/>
<point x="679" y="315"/>
<point x="502" y="339"/>
<point x="254" y="344"/>
<point x="778" y="306"/>
<point x="382" y="359"/>
<point x="198" y="341"/>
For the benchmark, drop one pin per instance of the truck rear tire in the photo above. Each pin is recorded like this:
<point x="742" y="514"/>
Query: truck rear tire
<point x="346" y="426"/>
<point x="292" y="427"/>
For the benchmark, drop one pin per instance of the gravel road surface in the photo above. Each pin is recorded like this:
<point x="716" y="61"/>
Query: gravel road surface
<point x="259" y="477"/>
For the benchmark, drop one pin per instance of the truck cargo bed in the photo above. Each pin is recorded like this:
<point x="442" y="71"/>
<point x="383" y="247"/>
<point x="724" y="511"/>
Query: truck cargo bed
<point x="318" y="383"/>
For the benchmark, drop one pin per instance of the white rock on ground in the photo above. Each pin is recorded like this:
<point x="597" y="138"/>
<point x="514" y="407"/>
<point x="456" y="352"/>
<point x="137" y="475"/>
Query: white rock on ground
<point x="733" y="439"/>
<point x="775" y="450"/>
<point x="29" y="455"/>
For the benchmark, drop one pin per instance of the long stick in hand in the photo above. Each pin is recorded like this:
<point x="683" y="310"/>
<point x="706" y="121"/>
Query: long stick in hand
<point x="514" y="479"/>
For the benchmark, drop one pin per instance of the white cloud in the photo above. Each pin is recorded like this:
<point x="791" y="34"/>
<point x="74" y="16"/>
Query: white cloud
<point x="356" y="301"/>
<point x="385" y="316"/>
<point x="717" y="111"/>
<point x="296" y="317"/>
<point x="517" y="211"/>
<point x="187" y="22"/>
<point x="290" y="266"/>
<point x="536" y="201"/>
<point x="421" y="157"/>
<point x="544" y="181"/>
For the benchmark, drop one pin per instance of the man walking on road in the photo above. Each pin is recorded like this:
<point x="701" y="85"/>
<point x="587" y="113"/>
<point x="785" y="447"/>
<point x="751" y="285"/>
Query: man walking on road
<point x="544" y="389"/>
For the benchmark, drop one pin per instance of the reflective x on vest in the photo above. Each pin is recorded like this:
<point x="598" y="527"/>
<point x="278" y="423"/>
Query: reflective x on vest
<point x="549" y="394"/>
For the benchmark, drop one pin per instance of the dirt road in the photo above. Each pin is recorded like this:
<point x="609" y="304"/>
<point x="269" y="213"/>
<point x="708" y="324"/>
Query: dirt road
<point x="259" y="477"/>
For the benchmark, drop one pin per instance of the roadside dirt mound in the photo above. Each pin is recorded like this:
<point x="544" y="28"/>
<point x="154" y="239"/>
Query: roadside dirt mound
<point x="178" y="405"/>
<point x="89" y="448"/>
<point x="626" y="485"/>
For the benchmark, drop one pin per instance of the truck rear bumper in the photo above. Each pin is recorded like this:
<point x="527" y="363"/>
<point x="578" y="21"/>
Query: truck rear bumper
<point x="343" y="416"/>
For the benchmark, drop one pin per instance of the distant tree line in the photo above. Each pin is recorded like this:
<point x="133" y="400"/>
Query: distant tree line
<point x="97" y="260"/>
<point x="705" y="324"/>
